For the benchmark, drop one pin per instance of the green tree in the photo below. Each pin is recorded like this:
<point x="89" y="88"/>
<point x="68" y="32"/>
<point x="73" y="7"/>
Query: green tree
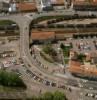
<point x="81" y="57"/>
<point x="49" y="50"/>
<point x="59" y="96"/>
<point x="10" y="79"/>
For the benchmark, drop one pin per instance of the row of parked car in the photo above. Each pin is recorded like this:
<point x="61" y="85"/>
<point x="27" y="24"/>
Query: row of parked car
<point x="93" y="95"/>
<point x="11" y="54"/>
<point x="44" y="81"/>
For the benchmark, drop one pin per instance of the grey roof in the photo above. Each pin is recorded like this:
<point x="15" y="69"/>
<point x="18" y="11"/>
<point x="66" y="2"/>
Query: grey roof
<point x="46" y="2"/>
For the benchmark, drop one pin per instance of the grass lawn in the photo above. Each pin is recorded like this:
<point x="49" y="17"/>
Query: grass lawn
<point x="66" y="50"/>
<point x="6" y="22"/>
<point x="47" y="58"/>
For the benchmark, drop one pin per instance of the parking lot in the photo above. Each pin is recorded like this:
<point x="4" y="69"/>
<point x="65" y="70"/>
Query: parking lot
<point x="85" y="45"/>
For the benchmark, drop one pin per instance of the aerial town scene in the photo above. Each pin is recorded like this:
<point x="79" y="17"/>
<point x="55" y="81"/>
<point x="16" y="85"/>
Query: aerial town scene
<point x="48" y="49"/>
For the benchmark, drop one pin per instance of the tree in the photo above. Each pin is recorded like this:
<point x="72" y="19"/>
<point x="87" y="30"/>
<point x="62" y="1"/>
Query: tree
<point x="62" y="46"/>
<point x="81" y="57"/>
<point x="49" y="50"/>
<point x="10" y="79"/>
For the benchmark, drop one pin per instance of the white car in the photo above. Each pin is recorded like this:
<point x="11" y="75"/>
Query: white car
<point x="80" y="85"/>
<point x="95" y="96"/>
<point x="85" y="81"/>
<point x="90" y="88"/>
<point x="90" y="94"/>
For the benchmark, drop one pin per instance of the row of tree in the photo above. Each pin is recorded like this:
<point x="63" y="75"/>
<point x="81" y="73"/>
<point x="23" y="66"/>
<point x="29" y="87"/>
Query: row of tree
<point x="50" y="96"/>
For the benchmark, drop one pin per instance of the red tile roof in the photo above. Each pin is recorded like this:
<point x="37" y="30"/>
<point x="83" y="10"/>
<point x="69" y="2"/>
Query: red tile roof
<point x="85" y="2"/>
<point x="43" y="35"/>
<point x="79" y="69"/>
<point x="26" y="7"/>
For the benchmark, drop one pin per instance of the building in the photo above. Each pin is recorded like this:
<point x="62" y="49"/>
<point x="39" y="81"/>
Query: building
<point x="4" y="7"/>
<point x="13" y="7"/>
<point x="46" y="5"/>
<point x="42" y="36"/>
<point x="86" y="71"/>
<point x="59" y="4"/>
<point x="26" y="7"/>
<point x="85" y="5"/>
<point x="6" y="1"/>
<point x="52" y="35"/>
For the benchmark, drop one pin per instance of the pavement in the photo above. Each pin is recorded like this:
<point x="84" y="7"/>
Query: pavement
<point x="45" y="65"/>
<point x="89" y="46"/>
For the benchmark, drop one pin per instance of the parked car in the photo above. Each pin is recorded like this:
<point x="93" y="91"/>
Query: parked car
<point x="89" y="94"/>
